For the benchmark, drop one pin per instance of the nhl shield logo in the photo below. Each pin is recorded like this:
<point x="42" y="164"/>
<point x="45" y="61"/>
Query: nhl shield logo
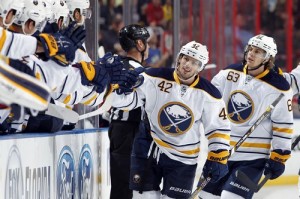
<point x="175" y="118"/>
<point x="239" y="107"/>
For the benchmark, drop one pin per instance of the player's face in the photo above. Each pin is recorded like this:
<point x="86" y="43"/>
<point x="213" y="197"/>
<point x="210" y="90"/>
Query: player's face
<point x="187" y="67"/>
<point x="9" y="17"/>
<point x="77" y="16"/>
<point x="255" y="56"/>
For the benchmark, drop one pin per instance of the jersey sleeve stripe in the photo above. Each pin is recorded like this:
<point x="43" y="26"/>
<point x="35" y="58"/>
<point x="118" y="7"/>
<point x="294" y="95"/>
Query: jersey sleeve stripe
<point x="252" y="145"/>
<point x="283" y="130"/>
<point x="219" y="135"/>
<point x="2" y="39"/>
<point x="91" y="99"/>
<point x="9" y="46"/>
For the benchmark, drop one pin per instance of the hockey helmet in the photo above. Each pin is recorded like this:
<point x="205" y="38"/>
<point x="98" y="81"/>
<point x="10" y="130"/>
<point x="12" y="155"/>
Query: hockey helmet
<point x="34" y="10"/>
<point x="82" y="6"/>
<point x="60" y="13"/>
<point x="196" y="51"/>
<point x="129" y="34"/>
<point x="10" y="5"/>
<point x="264" y="42"/>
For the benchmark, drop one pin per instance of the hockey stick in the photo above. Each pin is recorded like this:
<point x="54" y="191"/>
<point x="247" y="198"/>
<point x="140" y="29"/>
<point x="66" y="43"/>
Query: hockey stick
<point x="295" y="143"/>
<point x="62" y="113"/>
<point x="103" y="108"/>
<point x="72" y="116"/>
<point x="266" y="114"/>
<point x="210" y="66"/>
<point x="241" y="176"/>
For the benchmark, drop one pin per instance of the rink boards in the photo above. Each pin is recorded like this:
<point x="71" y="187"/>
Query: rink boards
<point x="47" y="166"/>
<point x="73" y="164"/>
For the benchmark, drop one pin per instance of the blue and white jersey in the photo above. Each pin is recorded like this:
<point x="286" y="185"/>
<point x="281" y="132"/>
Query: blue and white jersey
<point x="176" y="112"/>
<point x="247" y="98"/>
<point x="14" y="45"/>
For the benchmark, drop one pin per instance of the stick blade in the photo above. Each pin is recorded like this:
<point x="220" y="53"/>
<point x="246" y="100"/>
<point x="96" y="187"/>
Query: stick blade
<point x="62" y="113"/>
<point x="243" y="178"/>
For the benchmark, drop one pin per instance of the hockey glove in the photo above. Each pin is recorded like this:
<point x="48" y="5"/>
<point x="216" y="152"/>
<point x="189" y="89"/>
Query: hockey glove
<point x="131" y="80"/>
<point x="75" y="33"/>
<point x="276" y="164"/>
<point x="59" y="47"/>
<point x="93" y="74"/>
<point x="113" y="65"/>
<point x="215" y="166"/>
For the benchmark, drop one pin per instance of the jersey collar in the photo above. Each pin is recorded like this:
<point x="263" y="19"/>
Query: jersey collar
<point x="177" y="80"/>
<point x="261" y="75"/>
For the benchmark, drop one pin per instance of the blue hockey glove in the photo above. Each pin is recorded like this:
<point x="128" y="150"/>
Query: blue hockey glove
<point x="276" y="164"/>
<point x="215" y="166"/>
<point x="126" y="80"/>
<point x="92" y="74"/>
<point x="131" y="80"/>
<point x="113" y="65"/>
<point x="60" y="48"/>
<point x="75" y="33"/>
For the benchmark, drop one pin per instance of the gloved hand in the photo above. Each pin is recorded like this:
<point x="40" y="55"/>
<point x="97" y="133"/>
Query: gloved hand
<point x="75" y="33"/>
<point x="131" y="80"/>
<point x="113" y="66"/>
<point x="126" y="80"/>
<point x="93" y="74"/>
<point x="276" y="163"/>
<point x="59" y="47"/>
<point x="215" y="166"/>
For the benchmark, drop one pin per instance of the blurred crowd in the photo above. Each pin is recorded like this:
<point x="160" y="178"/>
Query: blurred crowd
<point x="156" y="15"/>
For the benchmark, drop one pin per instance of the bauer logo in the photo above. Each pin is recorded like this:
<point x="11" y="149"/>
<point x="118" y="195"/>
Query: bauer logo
<point x="85" y="173"/>
<point x="14" y="175"/>
<point x="65" y="174"/>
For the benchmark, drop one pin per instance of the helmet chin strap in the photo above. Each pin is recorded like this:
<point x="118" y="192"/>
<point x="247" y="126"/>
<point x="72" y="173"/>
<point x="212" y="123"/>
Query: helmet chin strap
<point x="257" y="67"/>
<point x="142" y="52"/>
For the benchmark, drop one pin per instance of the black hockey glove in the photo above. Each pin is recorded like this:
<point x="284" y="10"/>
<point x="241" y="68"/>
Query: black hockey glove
<point x="276" y="164"/>
<point x="215" y="166"/>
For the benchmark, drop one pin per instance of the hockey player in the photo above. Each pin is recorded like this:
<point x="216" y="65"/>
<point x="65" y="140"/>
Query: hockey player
<point x="125" y="124"/>
<point x="20" y="88"/>
<point x="248" y="89"/>
<point x="79" y="10"/>
<point x="177" y="102"/>
<point x="10" y="11"/>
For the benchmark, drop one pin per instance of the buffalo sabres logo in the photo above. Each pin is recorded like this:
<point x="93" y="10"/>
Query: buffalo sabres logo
<point x="175" y="118"/>
<point x="240" y="107"/>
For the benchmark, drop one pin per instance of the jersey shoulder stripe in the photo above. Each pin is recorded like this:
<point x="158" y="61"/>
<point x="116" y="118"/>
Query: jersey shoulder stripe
<point x="208" y="87"/>
<point x="276" y="80"/>
<point x="237" y="67"/>
<point x="164" y="73"/>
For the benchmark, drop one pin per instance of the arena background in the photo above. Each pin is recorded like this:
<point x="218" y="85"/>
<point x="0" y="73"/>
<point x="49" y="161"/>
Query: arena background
<point x="74" y="164"/>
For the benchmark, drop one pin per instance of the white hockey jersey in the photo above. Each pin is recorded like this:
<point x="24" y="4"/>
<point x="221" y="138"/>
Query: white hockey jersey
<point x="246" y="98"/>
<point x="14" y="45"/>
<point x="293" y="79"/>
<point x="176" y="111"/>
